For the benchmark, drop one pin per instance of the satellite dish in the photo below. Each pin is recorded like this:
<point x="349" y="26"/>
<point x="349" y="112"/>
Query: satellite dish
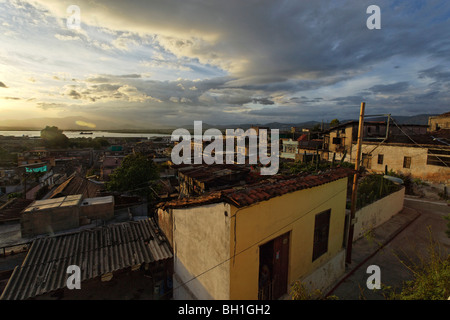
<point x="393" y="179"/>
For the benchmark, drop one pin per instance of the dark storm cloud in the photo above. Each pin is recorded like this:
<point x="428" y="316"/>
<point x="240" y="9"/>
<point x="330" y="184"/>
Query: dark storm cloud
<point x="436" y="73"/>
<point x="275" y="51"/>
<point x="11" y="98"/>
<point x="46" y="105"/>
<point x="74" y="94"/>
<point x="349" y="100"/>
<point x="265" y="101"/>
<point x="133" y="76"/>
<point x="390" y="88"/>
<point x="267" y="40"/>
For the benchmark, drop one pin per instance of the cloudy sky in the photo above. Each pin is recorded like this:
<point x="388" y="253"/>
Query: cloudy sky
<point x="166" y="62"/>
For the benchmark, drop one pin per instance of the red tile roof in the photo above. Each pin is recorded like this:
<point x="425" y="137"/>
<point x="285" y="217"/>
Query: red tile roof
<point x="261" y="191"/>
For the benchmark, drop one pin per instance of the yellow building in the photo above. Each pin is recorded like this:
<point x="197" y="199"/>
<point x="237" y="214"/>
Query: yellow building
<point x="254" y="241"/>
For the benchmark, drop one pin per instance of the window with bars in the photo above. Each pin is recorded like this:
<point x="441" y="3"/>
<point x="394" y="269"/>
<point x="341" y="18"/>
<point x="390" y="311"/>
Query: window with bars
<point x="438" y="157"/>
<point x="380" y="159"/>
<point x="321" y="233"/>
<point x="407" y="162"/>
<point x="367" y="160"/>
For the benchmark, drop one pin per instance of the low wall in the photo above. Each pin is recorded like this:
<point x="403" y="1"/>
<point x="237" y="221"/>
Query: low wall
<point x="327" y="274"/>
<point x="378" y="212"/>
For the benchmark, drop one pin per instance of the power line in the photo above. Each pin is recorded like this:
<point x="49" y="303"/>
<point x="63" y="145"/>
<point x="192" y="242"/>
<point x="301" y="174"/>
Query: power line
<point x="412" y="140"/>
<point x="419" y="144"/>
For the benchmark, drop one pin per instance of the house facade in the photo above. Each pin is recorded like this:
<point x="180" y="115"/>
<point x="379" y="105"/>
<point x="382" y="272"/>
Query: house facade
<point x="441" y="121"/>
<point x="429" y="162"/>
<point x="253" y="242"/>
<point x="340" y="141"/>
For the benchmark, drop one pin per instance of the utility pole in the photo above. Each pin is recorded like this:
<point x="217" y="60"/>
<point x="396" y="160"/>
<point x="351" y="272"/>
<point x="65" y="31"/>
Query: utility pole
<point x="348" y="258"/>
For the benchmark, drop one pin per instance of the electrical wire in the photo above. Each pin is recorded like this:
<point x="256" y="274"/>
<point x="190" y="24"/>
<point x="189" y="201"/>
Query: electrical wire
<point x="409" y="137"/>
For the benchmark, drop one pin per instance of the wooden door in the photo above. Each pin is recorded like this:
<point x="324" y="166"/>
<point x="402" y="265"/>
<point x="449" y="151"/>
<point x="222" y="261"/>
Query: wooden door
<point x="280" y="265"/>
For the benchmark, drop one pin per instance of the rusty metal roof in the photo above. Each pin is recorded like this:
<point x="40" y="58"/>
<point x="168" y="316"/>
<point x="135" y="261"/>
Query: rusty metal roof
<point x="13" y="208"/>
<point x="96" y="251"/>
<point x="76" y="184"/>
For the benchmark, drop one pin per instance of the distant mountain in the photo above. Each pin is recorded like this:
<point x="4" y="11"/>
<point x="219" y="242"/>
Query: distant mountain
<point x="83" y="123"/>
<point x="417" y="119"/>
<point x="421" y="119"/>
<point x="74" y="123"/>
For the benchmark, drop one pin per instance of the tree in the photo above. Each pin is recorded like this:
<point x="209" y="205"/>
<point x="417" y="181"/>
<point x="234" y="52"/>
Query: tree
<point x="334" y="122"/>
<point x="134" y="175"/>
<point x="7" y="158"/>
<point x="300" y="292"/>
<point x="54" y="137"/>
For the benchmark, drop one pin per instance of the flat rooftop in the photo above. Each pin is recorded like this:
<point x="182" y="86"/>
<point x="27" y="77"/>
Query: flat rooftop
<point x="47" y="204"/>
<point x="97" y="200"/>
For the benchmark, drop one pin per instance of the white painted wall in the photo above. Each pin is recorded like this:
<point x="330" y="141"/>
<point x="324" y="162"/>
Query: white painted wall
<point x="325" y="275"/>
<point x="199" y="263"/>
<point x="378" y="212"/>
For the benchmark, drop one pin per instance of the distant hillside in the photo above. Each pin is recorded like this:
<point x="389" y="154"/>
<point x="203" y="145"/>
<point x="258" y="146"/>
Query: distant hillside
<point x="74" y="123"/>
<point x="421" y="119"/>
<point x="119" y="125"/>
<point x="418" y="119"/>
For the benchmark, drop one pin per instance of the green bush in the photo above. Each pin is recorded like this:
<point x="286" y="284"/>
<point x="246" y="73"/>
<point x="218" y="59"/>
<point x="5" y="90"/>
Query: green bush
<point x="300" y="292"/>
<point x="15" y="195"/>
<point x="372" y="188"/>
<point x="431" y="277"/>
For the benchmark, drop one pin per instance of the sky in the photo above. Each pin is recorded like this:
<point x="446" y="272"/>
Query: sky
<point x="150" y="63"/>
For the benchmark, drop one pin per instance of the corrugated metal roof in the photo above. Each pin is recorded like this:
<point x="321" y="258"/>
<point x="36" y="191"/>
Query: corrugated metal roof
<point x="13" y="208"/>
<point x="96" y="251"/>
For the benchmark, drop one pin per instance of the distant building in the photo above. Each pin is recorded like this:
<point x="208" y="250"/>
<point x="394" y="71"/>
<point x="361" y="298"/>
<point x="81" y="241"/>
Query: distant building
<point x="289" y="149"/>
<point x="64" y="213"/>
<point x="418" y="151"/>
<point x="439" y="122"/>
<point x="108" y="165"/>
<point x="425" y="156"/>
<point x="302" y="149"/>
<point x="339" y="141"/>
<point x="198" y="179"/>
<point x="49" y="216"/>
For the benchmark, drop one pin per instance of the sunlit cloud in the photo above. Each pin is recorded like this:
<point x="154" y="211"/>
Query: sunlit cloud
<point x="154" y="62"/>
<point x="85" y="124"/>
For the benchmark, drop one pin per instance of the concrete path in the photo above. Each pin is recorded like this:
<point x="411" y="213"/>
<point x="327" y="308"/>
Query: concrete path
<point x="405" y="237"/>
